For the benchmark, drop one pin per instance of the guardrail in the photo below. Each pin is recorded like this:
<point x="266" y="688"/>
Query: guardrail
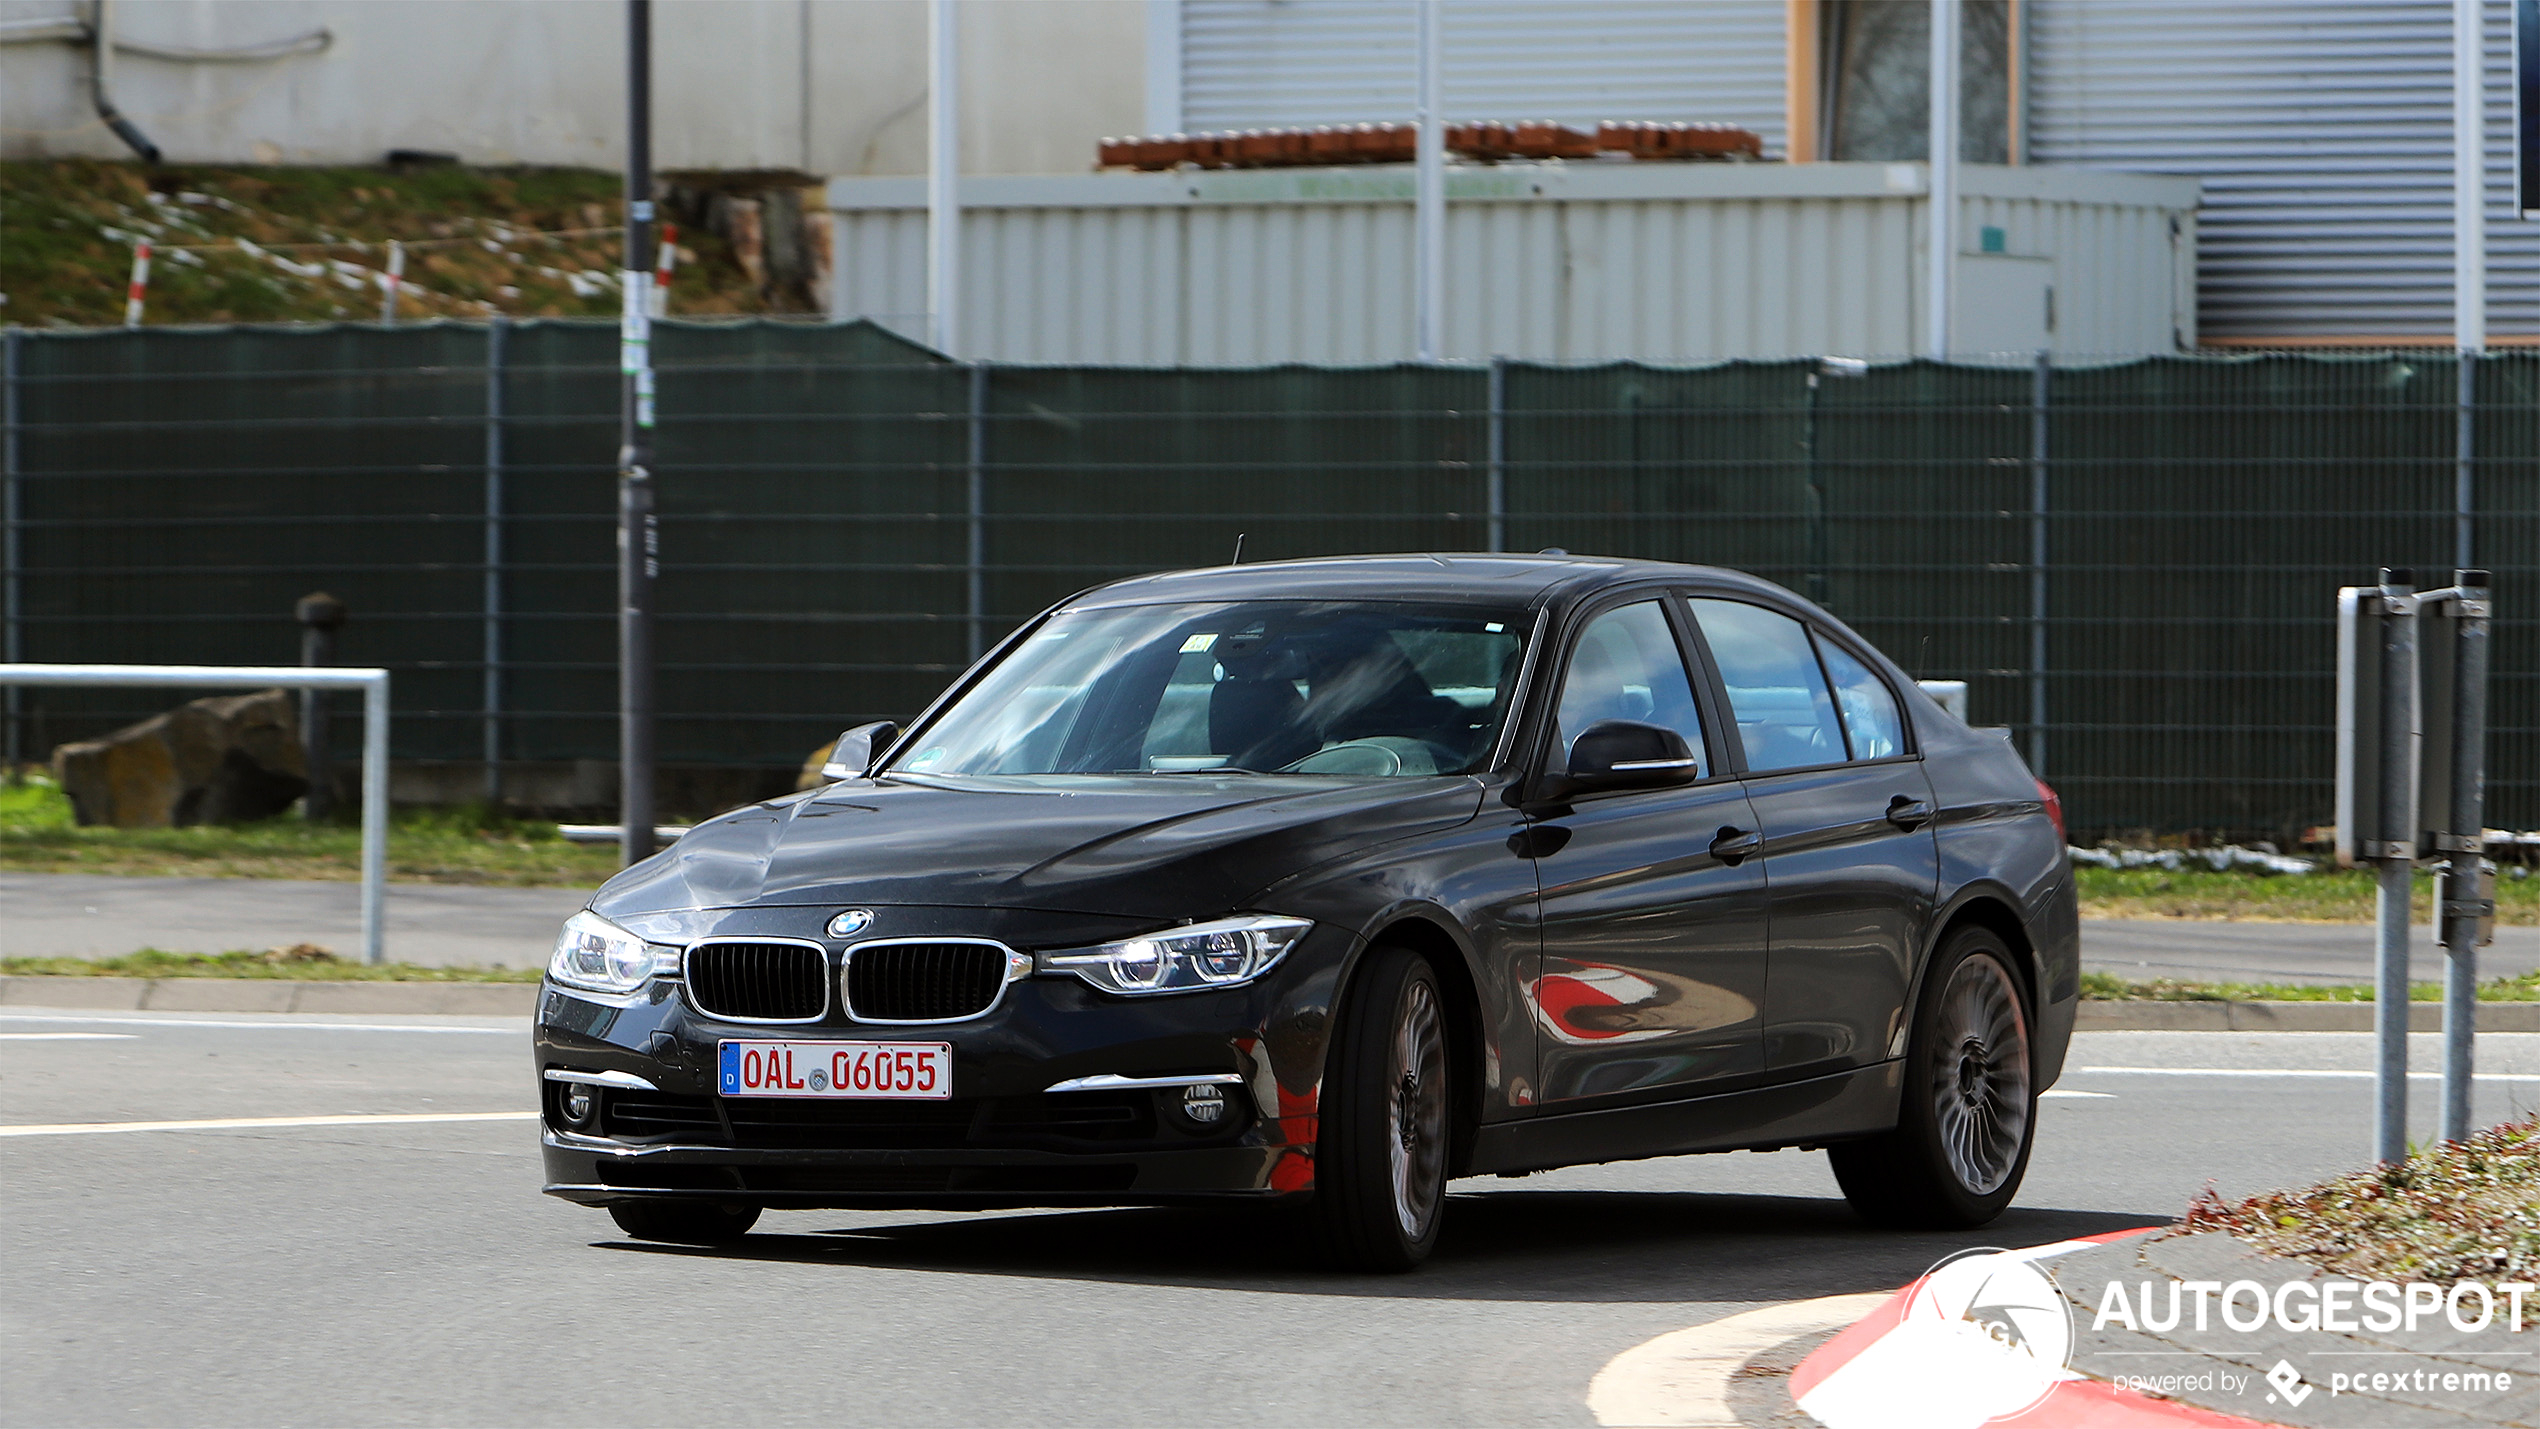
<point x="374" y="687"/>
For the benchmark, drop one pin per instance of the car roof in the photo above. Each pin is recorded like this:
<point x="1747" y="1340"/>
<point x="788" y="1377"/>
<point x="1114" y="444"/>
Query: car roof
<point x="1448" y="576"/>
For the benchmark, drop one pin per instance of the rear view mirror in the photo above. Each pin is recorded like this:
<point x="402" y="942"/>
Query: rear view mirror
<point x="1627" y="754"/>
<point x="853" y="756"/>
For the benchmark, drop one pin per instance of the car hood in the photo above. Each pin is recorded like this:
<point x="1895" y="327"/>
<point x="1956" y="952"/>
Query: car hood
<point x="1166" y="847"/>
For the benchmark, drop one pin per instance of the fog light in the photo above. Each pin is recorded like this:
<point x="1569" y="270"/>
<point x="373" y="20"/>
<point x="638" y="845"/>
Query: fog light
<point x="581" y="1104"/>
<point x="1204" y="1105"/>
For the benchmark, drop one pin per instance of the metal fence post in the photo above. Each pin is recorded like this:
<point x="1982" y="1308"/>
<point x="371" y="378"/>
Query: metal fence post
<point x="2041" y="386"/>
<point x="976" y="556"/>
<point x="1497" y="496"/>
<point x="2464" y="907"/>
<point x="497" y="334"/>
<point x="11" y="516"/>
<point x="2465" y="461"/>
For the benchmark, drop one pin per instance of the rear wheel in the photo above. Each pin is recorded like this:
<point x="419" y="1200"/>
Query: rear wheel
<point x="684" y="1222"/>
<point x="1380" y="1157"/>
<point x="1962" y="1137"/>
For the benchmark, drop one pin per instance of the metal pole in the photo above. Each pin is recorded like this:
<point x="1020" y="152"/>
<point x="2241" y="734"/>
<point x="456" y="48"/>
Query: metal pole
<point x="2469" y="178"/>
<point x="320" y="616"/>
<point x="2041" y="389"/>
<point x="2456" y="917"/>
<point x="12" y="517"/>
<point x="1497" y="496"/>
<point x="2465" y="461"/>
<point x="943" y="171"/>
<point x="497" y="340"/>
<point x="2397" y="860"/>
<point x="1817" y="543"/>
<point x="1428" y="260"/>
<point x="1943" y="239"/>
<point x="374" y="815"/>
<point x="638" y="529"/>
<point x="977" y="552"/>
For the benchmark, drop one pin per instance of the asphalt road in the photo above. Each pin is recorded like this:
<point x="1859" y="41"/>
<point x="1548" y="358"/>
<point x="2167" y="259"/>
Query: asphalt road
<point x="439" y="925"/>
<point x="408" y="1272"/>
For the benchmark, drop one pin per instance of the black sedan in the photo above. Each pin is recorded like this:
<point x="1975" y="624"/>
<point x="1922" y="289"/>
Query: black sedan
<point x="1322" y="883"/>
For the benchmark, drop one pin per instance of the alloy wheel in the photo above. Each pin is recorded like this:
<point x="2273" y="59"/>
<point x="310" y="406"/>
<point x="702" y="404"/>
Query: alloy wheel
<point x="1417" y="1101"/>
<point x="1980" y="1074"/>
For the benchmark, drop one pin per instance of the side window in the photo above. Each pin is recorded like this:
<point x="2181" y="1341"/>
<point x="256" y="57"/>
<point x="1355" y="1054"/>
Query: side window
<point x="1777" y="692"/>
<point x="1869" y="706"/>
<point x="1626" y="666"/>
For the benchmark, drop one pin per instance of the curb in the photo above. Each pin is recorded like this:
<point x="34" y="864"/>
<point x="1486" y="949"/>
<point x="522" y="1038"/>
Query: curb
<point x="213" y="994"/>
<point x="2149" y="1016"/>
<point x="2077" y="1403"/>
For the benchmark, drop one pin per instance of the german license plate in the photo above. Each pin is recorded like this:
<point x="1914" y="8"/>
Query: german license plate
<point x="899" y="1071"/>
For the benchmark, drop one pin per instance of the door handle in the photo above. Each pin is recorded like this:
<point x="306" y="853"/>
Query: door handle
<point x="1732" y="845"/>
<point x="1908" y="813"/>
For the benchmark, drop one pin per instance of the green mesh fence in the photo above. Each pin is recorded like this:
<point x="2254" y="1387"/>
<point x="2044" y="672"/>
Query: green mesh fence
<point x="848" y="517"/>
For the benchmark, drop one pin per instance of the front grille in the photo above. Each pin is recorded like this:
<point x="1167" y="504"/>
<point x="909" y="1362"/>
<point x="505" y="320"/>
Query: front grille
<point x="923" y="982"/>
<point x="765" y="982"/>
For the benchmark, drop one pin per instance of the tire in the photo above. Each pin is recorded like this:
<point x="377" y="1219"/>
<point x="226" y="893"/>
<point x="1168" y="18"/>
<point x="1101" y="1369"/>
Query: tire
<point x="684" y="1222"/>
<point x="1969" y="1118"/>
<point x="1380" y="1157"/>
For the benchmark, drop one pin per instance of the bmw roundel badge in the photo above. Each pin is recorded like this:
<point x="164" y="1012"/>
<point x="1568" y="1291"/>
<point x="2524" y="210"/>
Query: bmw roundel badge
<point x="851" y="922"/>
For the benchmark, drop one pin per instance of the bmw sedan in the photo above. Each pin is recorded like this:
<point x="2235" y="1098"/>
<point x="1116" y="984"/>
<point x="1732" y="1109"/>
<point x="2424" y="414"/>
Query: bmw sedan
<point x="1320" y="884"/>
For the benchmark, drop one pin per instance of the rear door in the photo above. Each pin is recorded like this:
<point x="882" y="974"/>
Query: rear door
<point x="1846" y="812"/>
<point x="1653" y="974"/>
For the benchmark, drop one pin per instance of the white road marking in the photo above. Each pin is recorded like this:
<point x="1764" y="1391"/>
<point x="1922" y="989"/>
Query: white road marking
<point x="66" y="1036"/>
<point x="2077" y="1096"/>
<point x="292" y="1026"/>
<point x="2293" y="1072"/>
<point x="1682" y="1377"/>
<point x="234" y="1123"/>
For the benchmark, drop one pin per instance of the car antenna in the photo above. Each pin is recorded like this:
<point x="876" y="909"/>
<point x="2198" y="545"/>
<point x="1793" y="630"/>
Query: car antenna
<point x="1239" y="549"/>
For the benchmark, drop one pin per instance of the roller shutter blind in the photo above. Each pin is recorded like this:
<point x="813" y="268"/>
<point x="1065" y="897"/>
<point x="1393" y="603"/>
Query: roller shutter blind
<point x="1250" y="64"/>
<point x="2323" y="134"/>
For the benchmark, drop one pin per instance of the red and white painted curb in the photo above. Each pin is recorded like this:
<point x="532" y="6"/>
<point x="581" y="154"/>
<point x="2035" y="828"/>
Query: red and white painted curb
<point x="1871" y="1377"/>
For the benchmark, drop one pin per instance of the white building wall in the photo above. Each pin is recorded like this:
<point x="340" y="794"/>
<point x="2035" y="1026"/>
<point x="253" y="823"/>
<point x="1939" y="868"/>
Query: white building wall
<point x="2322" y="133"/>
<point x="1578" y="262"/>
<point x="821" y="86"/>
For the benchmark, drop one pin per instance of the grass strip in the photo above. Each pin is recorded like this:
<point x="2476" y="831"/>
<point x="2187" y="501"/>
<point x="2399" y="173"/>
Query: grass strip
<point x="2343" y="895"/>
<point x="2108" y="987"/>
<point x="303" y="962"/>
<point x="469" y="845"/>
<point x="2457" y="1211"/>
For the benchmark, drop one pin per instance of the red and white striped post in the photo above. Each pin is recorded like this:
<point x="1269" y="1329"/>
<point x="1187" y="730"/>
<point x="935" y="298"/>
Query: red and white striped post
<point x="391" y="281"/>
<point x="665" y="258"/>
<point x="139" y="286"/>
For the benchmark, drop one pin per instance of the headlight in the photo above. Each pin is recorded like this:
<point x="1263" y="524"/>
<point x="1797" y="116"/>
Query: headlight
<point x="1219" y="954"/>
<point x="595" y="953"/>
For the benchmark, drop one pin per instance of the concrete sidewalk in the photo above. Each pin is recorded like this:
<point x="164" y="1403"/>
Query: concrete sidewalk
<point x="446" y="925"/>
<point x="432" y="924"/>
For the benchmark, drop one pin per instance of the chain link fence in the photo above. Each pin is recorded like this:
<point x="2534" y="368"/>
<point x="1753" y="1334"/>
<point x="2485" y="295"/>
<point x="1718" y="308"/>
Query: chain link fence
<point x="2132" y="564"/>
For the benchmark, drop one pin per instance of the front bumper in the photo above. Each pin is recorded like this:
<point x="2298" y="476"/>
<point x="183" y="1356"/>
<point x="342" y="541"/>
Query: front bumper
<point x="1002" y="1140"/>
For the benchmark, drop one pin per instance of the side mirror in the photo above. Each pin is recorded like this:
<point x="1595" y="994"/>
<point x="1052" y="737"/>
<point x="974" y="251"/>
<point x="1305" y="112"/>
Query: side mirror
<point x="1627" y="754"/>
<point x="853" y="755"/>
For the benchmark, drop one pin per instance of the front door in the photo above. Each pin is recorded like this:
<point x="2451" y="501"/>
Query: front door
<point x="1846" y="810"/>
<point x="1653" y="904"/>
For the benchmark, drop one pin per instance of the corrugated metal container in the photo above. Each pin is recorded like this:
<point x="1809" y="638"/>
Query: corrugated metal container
<point x="1258" y="64"/>
<point x="2323" y="135"/>
<point x="1550" y="262"/>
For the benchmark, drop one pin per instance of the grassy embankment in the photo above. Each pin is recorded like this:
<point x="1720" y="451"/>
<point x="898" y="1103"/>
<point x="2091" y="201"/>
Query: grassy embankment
<point x="283" y="244"/>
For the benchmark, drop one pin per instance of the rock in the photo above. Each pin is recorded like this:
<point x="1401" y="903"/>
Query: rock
<point x="225" y="760"/>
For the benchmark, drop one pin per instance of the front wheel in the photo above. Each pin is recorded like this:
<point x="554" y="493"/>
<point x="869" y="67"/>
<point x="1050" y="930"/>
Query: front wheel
<point x="684" y="1222"/>
<point x="1969" y="1118"/>
<point x="1380" y="1157"/>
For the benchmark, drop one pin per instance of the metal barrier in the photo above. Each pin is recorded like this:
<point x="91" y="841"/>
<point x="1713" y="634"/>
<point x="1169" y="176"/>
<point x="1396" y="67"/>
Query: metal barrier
<point x="374" y="687"/>
<point x="2121" y="561"/>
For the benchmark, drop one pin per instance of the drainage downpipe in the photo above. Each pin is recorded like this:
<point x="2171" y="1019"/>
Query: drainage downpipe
<point x="101" y="36"/>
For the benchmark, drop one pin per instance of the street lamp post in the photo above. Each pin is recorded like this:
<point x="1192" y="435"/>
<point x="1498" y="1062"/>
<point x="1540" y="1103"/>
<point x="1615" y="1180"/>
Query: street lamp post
<point x="638" y="529"/>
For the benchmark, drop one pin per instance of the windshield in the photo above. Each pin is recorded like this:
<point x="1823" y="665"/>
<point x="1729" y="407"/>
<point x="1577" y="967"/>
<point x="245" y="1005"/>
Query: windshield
<point x="1364" y="688"/>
